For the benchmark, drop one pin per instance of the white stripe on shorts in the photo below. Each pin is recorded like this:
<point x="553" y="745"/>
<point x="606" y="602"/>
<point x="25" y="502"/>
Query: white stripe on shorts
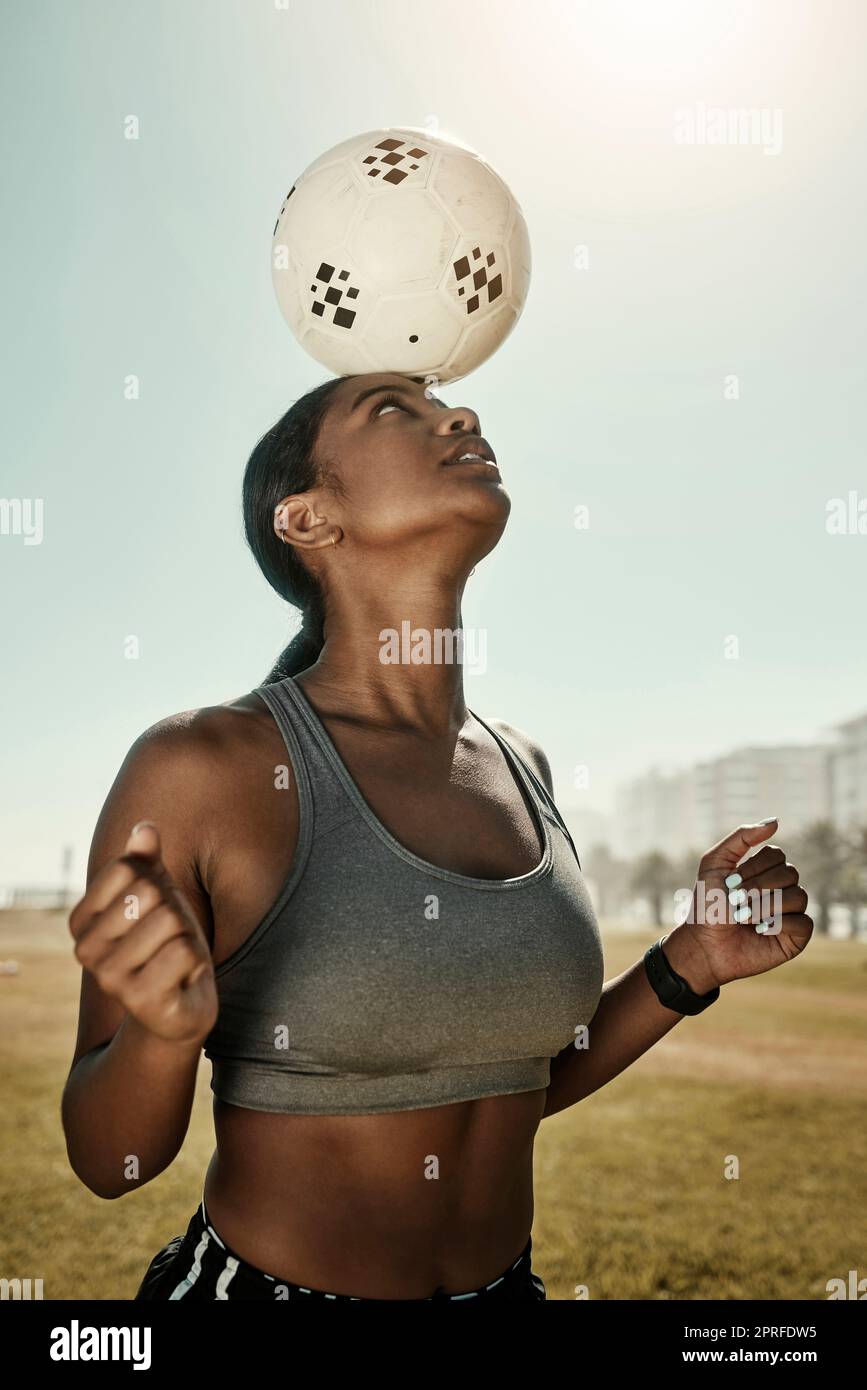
<point x="226" y="1277"/>
<point x="195" y="1268"/>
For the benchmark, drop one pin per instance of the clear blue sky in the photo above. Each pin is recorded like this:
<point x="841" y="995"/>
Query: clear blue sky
<point x="152" y="257"/>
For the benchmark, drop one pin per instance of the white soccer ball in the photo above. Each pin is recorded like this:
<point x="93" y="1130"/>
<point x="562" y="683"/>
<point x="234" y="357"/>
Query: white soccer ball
<point x="397" y="251"/>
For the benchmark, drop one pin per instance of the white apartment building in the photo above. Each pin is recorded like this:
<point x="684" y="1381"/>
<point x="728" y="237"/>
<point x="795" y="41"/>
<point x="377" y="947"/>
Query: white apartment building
<point x="692" y="809"/>
<point x="847" y="771"/>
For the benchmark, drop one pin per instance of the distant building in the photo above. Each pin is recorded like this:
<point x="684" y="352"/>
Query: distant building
<point x="786" y="780"/>
<point x="587" y="827"/>
<point x="653" y="812"/>
<point x="692" y="809"/>
<point x="847" y="769"/>
<point x="29" y="896"/>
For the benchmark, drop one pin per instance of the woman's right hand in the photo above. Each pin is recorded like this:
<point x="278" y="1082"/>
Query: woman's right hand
<point x="138" y="936"/>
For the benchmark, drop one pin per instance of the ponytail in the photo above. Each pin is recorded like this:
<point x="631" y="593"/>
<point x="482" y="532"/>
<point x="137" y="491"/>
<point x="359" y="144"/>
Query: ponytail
<point x="304" y="649"/>
<point x="283" y="462"/>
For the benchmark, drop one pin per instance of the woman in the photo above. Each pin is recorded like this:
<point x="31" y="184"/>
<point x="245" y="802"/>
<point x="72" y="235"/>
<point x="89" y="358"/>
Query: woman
<point x="359" y="897"/>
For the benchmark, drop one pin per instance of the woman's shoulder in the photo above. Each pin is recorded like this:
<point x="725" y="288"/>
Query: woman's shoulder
<point x="180" y="772"/>
<point x="196" y="742"/>
<point x="189" y="772"/>
<point x="206" y="727"/>
<point x="529" y="748"/>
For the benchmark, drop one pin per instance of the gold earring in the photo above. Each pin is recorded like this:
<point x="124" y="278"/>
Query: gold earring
<point x="333" y="541"/>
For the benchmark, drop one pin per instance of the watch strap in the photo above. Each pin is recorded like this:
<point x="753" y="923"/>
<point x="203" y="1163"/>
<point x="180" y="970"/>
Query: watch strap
<point x="672" y="989"/>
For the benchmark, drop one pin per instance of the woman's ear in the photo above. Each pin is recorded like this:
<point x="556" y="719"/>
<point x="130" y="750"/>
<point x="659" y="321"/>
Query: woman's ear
<point x="281" y="519"/>
<point x="297" y="523"/>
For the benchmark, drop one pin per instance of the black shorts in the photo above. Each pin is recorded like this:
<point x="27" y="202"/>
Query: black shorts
<point x="201" y="1267"/>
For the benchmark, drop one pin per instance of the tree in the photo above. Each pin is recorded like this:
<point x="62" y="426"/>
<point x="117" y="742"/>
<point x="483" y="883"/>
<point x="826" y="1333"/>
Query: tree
<point x="685" y="870"/>
<point x="853" y="884"/>
<point x="820" y="853"/>
<point x="653" y="876"/>
<point x="608" y="874"/>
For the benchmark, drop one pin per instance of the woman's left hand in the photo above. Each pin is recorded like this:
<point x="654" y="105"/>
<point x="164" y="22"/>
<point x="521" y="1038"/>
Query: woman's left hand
<point x="767" y="890"/>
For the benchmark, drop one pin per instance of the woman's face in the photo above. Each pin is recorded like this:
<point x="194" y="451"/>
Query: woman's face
<point x="400" y="481"/>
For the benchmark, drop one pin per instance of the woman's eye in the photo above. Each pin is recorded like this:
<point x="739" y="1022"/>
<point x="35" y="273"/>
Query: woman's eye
<point x="388" y="402"/>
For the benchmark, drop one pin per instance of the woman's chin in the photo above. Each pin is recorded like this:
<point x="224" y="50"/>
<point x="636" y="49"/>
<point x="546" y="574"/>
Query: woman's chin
<point x="487" y="505"/>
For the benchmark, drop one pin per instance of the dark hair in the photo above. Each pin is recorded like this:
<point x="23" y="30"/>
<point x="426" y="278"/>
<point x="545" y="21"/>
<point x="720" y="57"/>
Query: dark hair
<point x="284" y="462"/>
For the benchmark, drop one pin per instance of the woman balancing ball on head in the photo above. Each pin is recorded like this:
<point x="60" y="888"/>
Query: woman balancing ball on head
<point x="358" y="896"/>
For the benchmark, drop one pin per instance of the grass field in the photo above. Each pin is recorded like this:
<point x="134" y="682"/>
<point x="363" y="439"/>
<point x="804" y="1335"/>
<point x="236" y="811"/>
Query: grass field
<point x="632" y="1200"/>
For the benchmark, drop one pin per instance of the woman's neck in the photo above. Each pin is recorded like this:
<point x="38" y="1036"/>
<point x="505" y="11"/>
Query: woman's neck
<point x="397" y="661"/>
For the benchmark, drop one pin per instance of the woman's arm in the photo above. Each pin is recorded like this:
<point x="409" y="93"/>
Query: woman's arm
<point x="746" y="916"/>
<point x="628" y="1020"/>
<point x="127" y="1100"/>
<point x="126" y="1109"/>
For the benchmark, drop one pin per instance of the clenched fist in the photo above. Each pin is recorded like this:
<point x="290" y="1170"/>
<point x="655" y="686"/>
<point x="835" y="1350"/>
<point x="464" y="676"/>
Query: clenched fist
<point x="138" y="936"/>
<point x="747" y="917"/>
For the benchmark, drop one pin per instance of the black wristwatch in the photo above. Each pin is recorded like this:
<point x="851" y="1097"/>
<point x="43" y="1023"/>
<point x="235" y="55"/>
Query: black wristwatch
<point x="671" y="988"/>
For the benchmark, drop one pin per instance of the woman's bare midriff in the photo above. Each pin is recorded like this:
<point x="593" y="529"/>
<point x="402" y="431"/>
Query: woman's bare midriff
<point x="389" y="1205"/>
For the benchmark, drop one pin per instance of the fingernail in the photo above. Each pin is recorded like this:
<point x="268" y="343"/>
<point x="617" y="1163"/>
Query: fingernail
<point x="742" y="914"/>
<point x="737" y="896"/>
<point x="139" y="824"/>
<point x="767" y="820"/>
<point x="762" y="927"/>
<point x="733" y="880"/>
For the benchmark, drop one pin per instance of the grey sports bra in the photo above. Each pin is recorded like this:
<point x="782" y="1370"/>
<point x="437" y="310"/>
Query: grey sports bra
<point x="380" y="982"/>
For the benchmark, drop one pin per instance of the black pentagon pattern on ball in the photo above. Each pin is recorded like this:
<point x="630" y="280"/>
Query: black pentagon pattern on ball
<point x="391" y="159"/>
<point x="342" y="317"/>
<point x="463" y="267"/>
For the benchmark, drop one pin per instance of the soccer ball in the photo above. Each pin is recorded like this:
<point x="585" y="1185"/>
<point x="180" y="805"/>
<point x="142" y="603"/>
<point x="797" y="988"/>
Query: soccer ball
<point x="397" y="251"/>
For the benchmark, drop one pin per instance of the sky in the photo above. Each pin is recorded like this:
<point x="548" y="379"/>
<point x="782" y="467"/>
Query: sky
<point x="689" y="366"/>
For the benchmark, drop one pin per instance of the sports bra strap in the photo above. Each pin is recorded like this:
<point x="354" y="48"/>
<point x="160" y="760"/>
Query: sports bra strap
<point x="547" y="798"/>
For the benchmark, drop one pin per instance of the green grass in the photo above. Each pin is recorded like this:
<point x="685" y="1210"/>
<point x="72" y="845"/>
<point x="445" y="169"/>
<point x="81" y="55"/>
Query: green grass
<point x="632" y="1198"/>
